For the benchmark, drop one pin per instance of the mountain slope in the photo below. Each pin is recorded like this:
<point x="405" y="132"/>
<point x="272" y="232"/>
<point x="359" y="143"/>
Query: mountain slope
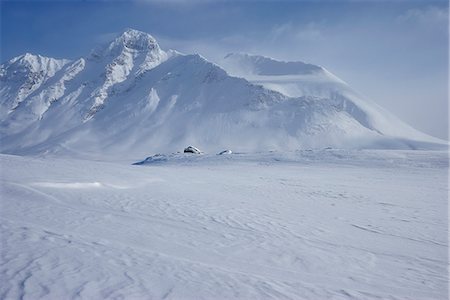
<point x="297" y="79"/>
<point x="130" y="98"/>
<point x="23" y="75"/>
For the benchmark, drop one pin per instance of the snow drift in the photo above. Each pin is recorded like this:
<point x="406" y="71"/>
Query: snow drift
<point x="131" y="98"/>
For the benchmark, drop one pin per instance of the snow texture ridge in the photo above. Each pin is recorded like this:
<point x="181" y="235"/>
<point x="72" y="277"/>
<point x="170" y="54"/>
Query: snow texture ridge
<point x="329" y="224"/>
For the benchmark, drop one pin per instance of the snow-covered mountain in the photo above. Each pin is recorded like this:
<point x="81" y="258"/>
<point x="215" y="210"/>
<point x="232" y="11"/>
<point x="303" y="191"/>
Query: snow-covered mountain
<point x="298" y="79"/>
<point x="131" y="98"/>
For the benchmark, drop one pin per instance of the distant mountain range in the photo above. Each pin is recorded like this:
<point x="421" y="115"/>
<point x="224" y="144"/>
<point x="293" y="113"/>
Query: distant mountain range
<point x="130" y="98"/>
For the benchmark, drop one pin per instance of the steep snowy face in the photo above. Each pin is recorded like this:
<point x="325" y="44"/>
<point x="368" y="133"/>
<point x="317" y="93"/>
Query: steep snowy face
<point x="32" y="83"/>
<point x="23" y="75"/>
<point x="130" y="55"/>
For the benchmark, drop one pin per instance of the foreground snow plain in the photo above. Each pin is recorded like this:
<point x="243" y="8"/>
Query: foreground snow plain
<point x="328" y="224"/>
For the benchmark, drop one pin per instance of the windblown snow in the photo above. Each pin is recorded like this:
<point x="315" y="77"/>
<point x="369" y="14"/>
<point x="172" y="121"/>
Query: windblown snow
<point x="291" y="184"/>
<point x="328" y="224"/>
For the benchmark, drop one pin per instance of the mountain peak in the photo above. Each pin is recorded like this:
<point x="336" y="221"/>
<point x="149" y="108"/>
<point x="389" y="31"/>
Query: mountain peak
<point x="26" y="57"/>
<point x="137" y="40"/>
<point x="34" y="63"/>
<point x="29" y="59"/>
<point x="133" y="40"/>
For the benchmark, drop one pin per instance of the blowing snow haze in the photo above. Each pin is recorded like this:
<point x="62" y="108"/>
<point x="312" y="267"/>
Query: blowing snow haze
<point x="130" y="97"/>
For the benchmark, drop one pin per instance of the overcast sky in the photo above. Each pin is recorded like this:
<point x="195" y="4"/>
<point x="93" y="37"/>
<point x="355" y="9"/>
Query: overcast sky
<point x="394" y="52"/>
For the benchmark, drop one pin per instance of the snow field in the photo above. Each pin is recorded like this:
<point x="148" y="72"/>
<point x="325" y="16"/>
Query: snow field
<point x="305" y="225"/>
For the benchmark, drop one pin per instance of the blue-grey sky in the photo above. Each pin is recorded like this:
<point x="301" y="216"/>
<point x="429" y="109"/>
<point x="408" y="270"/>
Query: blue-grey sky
<point x="395" y="52"/>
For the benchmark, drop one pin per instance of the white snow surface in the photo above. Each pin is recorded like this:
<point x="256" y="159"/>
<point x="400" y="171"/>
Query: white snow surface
<point x="329" y="224"/>
<point x="130" y="98"/>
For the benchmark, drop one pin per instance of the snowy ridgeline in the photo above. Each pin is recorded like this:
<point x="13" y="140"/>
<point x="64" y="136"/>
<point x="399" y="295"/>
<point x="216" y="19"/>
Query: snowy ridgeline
<point x="130" y="97"/>
<point x="302" y="225"/>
